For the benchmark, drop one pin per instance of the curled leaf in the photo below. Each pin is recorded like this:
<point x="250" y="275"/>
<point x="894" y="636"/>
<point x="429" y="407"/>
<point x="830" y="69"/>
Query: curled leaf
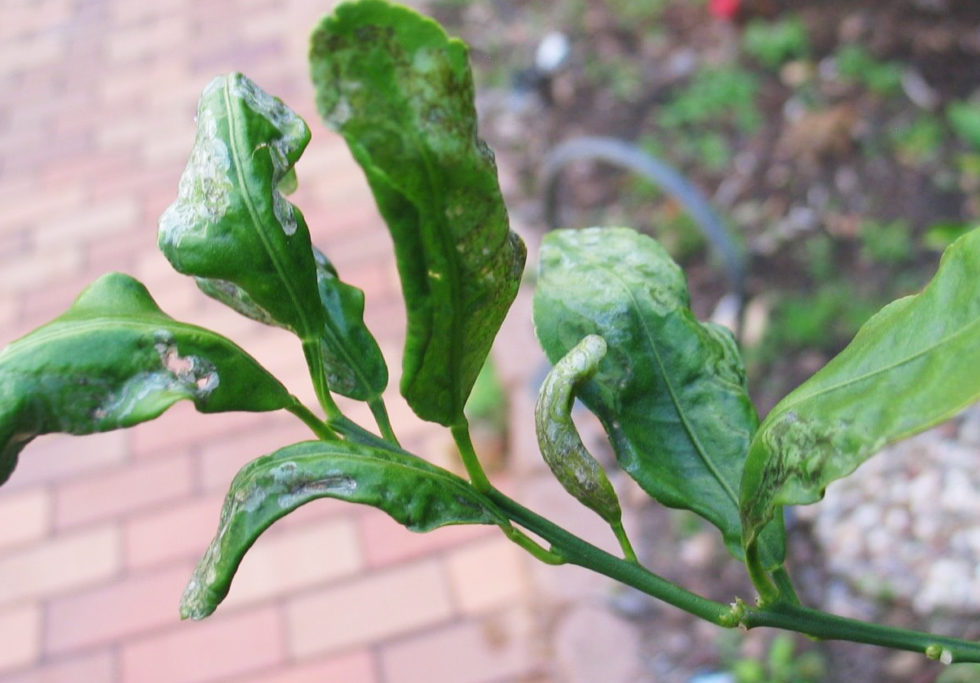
<point x="670" y="391"/>
<point x="559" y="440"/>
<point x="401" y="93"/>
<point x="113" y="360"/>
<point x="416" y="494"/>
<point x="909" y="367"/>
<point x="230" y="226"/>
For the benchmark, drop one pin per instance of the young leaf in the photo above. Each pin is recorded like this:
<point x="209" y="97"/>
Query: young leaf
<point x="419" y="495"/>
<point x="908" y="368"/>
<point x="561" y="446"/>
<point x="400" y="92"/>
<point x="353" y="360"/>
<point x="230" y="226"/>
<point x="670" y="391"/>
<point x="113" y="360"/>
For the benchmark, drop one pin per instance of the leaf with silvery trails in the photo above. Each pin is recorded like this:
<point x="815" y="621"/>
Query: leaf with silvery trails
<point x="415" y="493"/>
<point x="670" y="390"/>
<point x="113" y="360"/>
<point x="911" y="366"/>
<point x="400" y="92"/>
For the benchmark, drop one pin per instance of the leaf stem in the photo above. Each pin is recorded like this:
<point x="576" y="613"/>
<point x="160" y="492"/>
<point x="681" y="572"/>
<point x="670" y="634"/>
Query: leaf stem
<point x="785" y="586"/>
<point x="380" y="413"/>
<point x="314" y="360"/>
<point x="624" y="542"/>
<point x="320" y="428"/>
<point x="530" y="545"/>
<point x="582" y="553"/>
<point x="782" y="614"/>
<point x="461" y="435"/>
<point x="768" y="593"/>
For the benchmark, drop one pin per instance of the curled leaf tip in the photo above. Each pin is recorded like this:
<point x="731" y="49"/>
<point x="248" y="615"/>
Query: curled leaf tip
<point x="561" y="446"/>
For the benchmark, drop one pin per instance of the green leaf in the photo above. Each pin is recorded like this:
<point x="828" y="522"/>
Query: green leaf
<point x="401" y="93"/>
<point x="908" y="368"/>
<point x="670" y="391"/>
<point x="230" y="227"/>
<point x="419" y="495"/>
<point x="561" y="446"/>
<point x="353" y="360"/>
<point x="113" y="360"/>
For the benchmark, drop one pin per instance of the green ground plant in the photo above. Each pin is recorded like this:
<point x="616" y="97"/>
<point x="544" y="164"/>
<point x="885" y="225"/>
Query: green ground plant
<point x="611" y="310"/>
<point x="772" y="43"/>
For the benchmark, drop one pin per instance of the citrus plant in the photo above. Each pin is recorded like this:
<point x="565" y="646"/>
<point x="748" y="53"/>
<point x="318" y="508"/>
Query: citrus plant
<point x="611" y="310"/>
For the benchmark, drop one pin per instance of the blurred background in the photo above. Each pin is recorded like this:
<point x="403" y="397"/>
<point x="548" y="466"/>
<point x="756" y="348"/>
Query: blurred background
<point x="839" y="143"/>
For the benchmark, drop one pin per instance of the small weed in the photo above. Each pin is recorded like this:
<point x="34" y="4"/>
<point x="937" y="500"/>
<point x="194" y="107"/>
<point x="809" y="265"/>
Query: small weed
<point x="856" y="64"/>
<point x="964" y="120"/>
<point x="772" y="43"/>
<point x="822" y="320"/>
<point x="940" y="235"/>
<point x="888" y="243"/>
<point x="919" y="141"/>
<point x="783" y="663"/>
<point x="820" y="258"/>
<point x="716" y="95"/>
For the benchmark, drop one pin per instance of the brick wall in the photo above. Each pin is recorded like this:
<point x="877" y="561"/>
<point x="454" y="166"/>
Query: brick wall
<point x="98" y="534"/>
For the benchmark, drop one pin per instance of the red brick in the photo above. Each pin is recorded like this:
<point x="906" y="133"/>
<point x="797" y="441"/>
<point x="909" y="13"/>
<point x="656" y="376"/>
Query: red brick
<point x="352" y="667"/>
<point x="497" y="649"/>
<point x="177" y="531"/>
<point x="91" y="667"/>
<point x="20" y="633"/>
<point x="31" y="206"/>
<point x="116" y="493"/>
<point x="487" y="575"/>
<point x="388" y="542"/>
<point x="182" y="427"/>
<point x="107" y="167"/>
<point x="193" y="652"/>
<point x="117" y="611"/>
<point x="92" y="223"/>
<point x="59" y="565"/>
<point x="120" y="254"/>
<point x="126" y="14"/>
<point x="57" y="262"/>
<point x="295" y="559"/>
<point x="140" y="41"/>
<point x="24" y="516"/>
<point x="221" y="459"/>
<point x="46" y="303"/>
<point x="56" y="457"/>
<point x="25" y="19"/>
<point x="48" y="110"/>
<point x="24" y="53"/>
<point x="378" y="606"/>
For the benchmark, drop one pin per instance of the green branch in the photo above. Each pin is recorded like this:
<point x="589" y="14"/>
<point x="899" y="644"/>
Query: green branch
<point x="832" y="627"/>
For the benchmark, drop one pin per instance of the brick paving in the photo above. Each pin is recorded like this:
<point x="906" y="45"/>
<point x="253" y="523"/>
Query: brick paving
<point x="99" y="533"/>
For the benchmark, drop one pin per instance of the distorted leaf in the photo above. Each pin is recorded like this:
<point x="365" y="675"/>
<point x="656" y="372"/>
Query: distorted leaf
<point x="670" y="391"/>
<point x="416" y="494"/>
<point x="401" y="93"/>
<point x="230" y="225"/>
<point x="353" y="361"/>
<point x="559" y="441"/>
<point x="113" y="360"/>
<point x="909" y="367"/>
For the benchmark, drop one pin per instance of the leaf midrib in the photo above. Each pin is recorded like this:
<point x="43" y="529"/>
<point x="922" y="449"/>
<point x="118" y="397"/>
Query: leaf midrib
<point x="877" y="371"/>
<point x="234" y="136"/>
<point x="688" y="427"/>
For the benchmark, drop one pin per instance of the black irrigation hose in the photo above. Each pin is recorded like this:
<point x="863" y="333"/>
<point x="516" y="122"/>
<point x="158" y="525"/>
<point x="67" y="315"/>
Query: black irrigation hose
<point x="625" y="155"/>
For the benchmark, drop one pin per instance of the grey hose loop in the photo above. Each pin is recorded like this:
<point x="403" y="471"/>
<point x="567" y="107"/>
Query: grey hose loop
<point x="624" y="155"/>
